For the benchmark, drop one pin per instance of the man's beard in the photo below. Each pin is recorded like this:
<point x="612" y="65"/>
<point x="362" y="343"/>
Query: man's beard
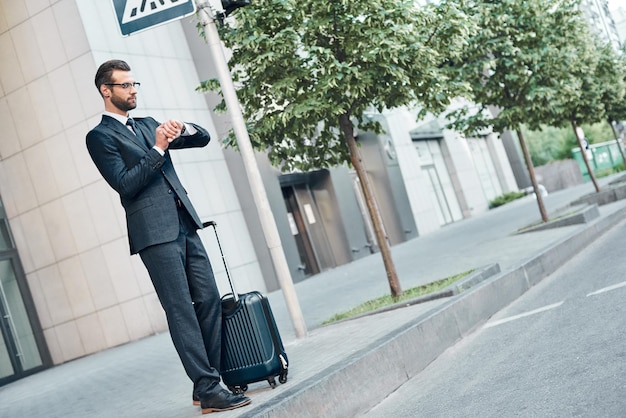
<point x="123" y="105"/>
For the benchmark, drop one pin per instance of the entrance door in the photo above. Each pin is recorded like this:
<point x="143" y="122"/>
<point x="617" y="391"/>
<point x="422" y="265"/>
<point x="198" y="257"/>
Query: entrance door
<point x="21" y="340"/>
<point x="7" y="361"/>
<point x="19" y="344"/>
<point x="441" y="188"/>
<point x="484" y="167"/>
<point x="314" y="224"/>
<point x="443" y="208"/>
<point x="308" y="260"/>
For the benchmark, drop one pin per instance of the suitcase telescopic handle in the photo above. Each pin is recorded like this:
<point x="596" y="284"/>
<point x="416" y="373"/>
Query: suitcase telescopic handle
<point x="217" y="238"/>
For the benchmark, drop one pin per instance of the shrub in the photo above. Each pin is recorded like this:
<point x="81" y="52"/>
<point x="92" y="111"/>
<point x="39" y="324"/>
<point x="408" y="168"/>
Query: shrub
<point x="505" y="198"/>
<point x="608" y="171"/>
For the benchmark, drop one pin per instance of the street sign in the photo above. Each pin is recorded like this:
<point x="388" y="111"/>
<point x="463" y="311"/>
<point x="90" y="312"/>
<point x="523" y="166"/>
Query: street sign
<point x="137" y="15"/>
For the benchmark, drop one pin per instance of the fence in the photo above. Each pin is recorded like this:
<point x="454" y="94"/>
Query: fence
<point x="602" y="156"/>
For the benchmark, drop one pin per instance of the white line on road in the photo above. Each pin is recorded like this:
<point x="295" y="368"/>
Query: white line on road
<point x="607" y="289"/>
<point x="529" y="313"/>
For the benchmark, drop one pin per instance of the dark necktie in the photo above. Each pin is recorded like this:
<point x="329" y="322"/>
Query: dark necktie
<point x="131" y="122"/>
<point x="133" y="126"/>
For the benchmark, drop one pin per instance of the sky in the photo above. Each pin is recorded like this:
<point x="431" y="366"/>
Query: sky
<point x="614" y="4"/>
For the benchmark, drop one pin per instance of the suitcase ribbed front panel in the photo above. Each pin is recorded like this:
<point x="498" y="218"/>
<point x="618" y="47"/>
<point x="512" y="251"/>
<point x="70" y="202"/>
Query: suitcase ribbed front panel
<point x="244" y="344"/>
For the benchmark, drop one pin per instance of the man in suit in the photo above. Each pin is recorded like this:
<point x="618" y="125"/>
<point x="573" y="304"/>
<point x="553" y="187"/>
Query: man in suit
<point x="133" y="157"/>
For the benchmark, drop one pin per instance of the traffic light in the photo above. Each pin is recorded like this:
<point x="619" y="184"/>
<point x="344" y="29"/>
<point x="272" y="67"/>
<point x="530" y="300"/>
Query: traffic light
<point x="232" y="5"/>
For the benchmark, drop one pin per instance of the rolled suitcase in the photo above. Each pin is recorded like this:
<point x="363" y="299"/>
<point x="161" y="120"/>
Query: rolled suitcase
<point x="252" y="350"/>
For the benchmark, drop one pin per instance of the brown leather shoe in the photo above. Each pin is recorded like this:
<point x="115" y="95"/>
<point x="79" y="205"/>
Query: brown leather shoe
<point x="223" y="401"/>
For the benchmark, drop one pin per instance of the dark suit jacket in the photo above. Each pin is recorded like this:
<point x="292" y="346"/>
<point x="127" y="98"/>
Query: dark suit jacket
<point x="146" y="181"/>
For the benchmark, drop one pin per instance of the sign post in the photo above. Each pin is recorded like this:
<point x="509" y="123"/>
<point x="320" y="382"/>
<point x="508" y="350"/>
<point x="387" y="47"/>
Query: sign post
<point x="268" y="223"/>
<point x="136" y="15"/>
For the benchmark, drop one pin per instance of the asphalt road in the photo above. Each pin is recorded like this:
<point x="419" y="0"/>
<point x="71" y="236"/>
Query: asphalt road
<point x="557" y="351"/>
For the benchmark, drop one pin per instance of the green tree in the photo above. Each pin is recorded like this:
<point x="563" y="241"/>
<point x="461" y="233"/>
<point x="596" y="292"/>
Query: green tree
<point x="518" y="64"/>
<point x="308" y="71"/>
<point x="548" y="144"/>
<point x="551" y="143"/>
<point x="587" y="106"/>
<point x="611" y="75"/>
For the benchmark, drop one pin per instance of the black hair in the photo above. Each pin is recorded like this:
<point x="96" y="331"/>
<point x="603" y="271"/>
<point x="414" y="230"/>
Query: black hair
<point x="105" y="71"/>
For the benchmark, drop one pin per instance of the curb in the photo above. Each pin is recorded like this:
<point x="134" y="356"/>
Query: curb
<point x="361" y="381"/>
<point x="582" y="215"/>
<point x="616" y="191"/>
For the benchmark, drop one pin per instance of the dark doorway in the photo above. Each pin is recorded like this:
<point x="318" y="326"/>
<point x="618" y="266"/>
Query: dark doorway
<point x="315" y="222"/>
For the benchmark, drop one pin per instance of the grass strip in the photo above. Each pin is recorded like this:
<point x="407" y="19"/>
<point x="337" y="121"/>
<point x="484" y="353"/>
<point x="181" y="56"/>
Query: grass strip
<point x="388" y="300"/>
<point x="531" y="226"/>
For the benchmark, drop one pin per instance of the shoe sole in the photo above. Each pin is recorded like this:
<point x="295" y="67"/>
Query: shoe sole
<point x="239" y="405"/>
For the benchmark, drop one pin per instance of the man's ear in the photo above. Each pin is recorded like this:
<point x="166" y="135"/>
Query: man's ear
<point x="104" y="90"/>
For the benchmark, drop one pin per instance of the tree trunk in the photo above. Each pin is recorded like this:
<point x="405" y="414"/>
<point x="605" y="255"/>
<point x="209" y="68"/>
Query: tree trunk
<point x="531" y="173"/>
<point x="584" y="155"/>
<point x="347" y="128"/>
<point x="618" y="142"/>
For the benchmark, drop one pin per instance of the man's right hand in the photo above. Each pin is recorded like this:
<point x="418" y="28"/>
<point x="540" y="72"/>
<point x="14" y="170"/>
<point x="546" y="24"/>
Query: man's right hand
<point x="167" y="132"/>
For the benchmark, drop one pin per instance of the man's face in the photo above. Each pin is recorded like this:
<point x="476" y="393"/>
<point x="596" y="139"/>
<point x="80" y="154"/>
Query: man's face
<point x="123" y="94"/>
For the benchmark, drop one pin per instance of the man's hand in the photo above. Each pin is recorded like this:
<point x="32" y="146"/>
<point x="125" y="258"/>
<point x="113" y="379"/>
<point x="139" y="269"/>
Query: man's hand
<point x="167" y="132"/>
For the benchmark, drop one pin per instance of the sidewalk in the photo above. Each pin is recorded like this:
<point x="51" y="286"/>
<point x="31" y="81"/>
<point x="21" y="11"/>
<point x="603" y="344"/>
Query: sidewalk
<point x="343" y="369"/>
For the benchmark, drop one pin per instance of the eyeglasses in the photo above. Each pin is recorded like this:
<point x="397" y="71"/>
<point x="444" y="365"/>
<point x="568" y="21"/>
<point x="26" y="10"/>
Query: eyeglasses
<point x="125" y="86"/>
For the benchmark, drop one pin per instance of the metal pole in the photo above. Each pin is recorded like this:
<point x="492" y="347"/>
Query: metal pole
<point x="266" y="217"/>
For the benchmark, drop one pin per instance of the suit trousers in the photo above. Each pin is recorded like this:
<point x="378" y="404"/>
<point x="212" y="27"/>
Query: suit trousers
<point x="184" y="282"/>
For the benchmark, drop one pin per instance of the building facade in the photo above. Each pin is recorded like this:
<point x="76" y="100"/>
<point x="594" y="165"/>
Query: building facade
<point x="618" y="11"/>
<point x="601" y="20"/>
<point x="68" y="285"/>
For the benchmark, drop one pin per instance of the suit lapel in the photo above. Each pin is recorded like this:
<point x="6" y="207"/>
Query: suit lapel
<point x="143" y="131"/>
<point x="124" y="131"/>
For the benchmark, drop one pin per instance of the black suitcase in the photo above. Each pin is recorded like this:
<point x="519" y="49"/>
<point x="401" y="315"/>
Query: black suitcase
<point x="252" y="349"/>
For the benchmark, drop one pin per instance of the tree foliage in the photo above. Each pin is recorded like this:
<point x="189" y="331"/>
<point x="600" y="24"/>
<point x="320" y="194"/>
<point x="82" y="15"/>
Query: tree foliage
<point x="550" y="143"/>
<point x="301" y="66"/>
<point x="593" y="89"/>
<point x="587" y="104"/>
<point x="307" y="71"/>
<point x="519" y="63"/>
<point x="611" y="76"/>
<point x="518" y="66"/>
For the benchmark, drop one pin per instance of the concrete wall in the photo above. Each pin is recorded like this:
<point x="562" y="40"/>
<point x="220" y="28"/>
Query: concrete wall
<point x="349" y="209"/>
<point x="501" y="163"/>
<point x="463" y="174"/>
<point x="559" y="175"/>
<point x="375" y="164"/>
<point x="399" y="123"/>
<point x="516" y="159"/>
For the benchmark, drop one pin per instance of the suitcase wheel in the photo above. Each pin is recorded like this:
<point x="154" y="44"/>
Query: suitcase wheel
<point x="272" y="382"/>
<point x="239" y="389"/>
<point x="282" y="378"/>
